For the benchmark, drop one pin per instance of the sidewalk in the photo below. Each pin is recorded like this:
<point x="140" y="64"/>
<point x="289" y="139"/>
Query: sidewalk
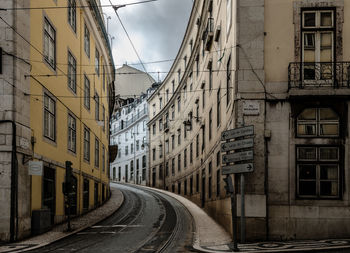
<point x="77" y="224"/>
<point x="211" y="237"/>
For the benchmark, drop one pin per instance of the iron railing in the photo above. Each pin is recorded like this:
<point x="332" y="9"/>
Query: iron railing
<point x="319" y="74"/>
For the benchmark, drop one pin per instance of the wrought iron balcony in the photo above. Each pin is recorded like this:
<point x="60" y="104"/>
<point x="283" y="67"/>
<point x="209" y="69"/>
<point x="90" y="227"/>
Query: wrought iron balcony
<point x="319" y="74"/>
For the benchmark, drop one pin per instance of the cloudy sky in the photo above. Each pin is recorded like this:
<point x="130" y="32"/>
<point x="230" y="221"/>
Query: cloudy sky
<point x="156" y="29"/>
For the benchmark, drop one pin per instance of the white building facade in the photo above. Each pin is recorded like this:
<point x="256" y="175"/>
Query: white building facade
<point x="129" y="132"/>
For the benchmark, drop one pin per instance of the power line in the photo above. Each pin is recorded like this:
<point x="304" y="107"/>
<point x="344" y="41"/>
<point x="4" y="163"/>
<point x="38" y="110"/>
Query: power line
<point x="68" y="7"/>
<point x="132" y="44"/>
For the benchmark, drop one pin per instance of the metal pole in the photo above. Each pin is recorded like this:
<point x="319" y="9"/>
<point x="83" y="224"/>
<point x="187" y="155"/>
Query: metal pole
<point x="242" y="210"/>
<point x="234" y="216"/>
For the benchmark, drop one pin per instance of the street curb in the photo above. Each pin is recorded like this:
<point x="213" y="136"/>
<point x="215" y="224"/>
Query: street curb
<point x="195" y="242"/>
<point x="75" y="231"/>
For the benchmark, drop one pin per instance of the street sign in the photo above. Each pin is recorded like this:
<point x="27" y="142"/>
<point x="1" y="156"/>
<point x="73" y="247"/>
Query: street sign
<point x="237" y="168"/>
<point x="35" y="168"/>
<point x="237" y="132"/>
<point x="245" y="143"/>
<point x="238" y="156"/>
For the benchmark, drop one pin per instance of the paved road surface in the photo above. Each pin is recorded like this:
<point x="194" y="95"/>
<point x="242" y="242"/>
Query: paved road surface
<point x="148" y="221"/>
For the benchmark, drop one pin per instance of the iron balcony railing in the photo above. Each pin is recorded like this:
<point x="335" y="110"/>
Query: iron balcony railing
<point x="319" y="74"/>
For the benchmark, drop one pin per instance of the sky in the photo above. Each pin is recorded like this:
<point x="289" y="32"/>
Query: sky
<point x="155" y="28"/>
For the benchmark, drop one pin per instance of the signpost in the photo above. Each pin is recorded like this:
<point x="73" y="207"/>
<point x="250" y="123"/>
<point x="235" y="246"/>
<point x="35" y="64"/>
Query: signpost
<point x="239" y="160"/>
<point x="237" y="168"/>
<point x="238" y="156"/>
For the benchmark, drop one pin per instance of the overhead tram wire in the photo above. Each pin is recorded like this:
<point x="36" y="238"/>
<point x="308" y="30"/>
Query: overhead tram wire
<point x="36" y="49"/>
<point x="127" y="34"/>
<point x="66" y="7"/>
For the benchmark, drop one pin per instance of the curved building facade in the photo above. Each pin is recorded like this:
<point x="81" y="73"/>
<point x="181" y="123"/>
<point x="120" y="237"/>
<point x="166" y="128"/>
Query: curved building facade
<point x="281" y="67"/>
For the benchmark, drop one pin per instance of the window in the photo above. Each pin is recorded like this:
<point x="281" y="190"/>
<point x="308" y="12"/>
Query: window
<point x="104" y="77"/>
<point x="318" y="171"/>
<point x="72" y="72"/>
<point x="97" y="62"/>
<point x="86" y="144"/>
<point x="103" y="158"/>
<point x="173" y="85"/>
<point x="167" y="146"/>
<point x="173" y="142"/>
<point x="144" y="161"/>
<point x="228" y="81"/>
<point x="49" y="117"/>
<point x="184" y="89"/>
<point x="178" y="103"/>
<point x="103" y="118"/>
<point x="97" y="105"/>
<point x="321" y="122"/>
<point x="203" y="138"/>
<point x="86" y="92"/>
<point x="160" y="103"/>
<point x="160" y="172"/>
<point x="179" y="162"/>
<point x="197" y="145"/>
<point x="49" y="44"/>
<point x="137" y="145"/>
<point x="154" y="109"/>
<point x="97" y="153"/>
<point x="72" y="133"/>
<point x="154" y="129"/>
<point x="197" y="65"/>
<point x="218" y="180"/>
<point x="179" y="75"/>
<point x="218" y="110"/>
<point x="86" y="40"/>
<point x="160" y="124"/>
<point x="218" y="159"/>
<point x="72" y="17"/>
<point x="203" y="95"/>
<point x="126" y="150"/>
<point x="160" y="151"/>
<point x="167" y="169"/>
<point x="318" y="44"/>
<point x="191" y="185"/>
<point x="167" y="95"/>
<point x="210" y="68"/>
<point x="191" y="152"/>
<point x="178" y="136"/>
<point x="173" y="112"/>
<point x="131" y="148"/>
<point x="197" y="182"/>
<point x="154" y="154"/>
<point x="210" y="123"/>
<point x="185" y="158"/>
<point x="185" y="187"/>
<point x="173" y="166"/>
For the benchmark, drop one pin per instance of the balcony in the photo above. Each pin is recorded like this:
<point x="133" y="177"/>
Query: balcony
<point x="208" y="34"/>
<point x="319" y="74"/>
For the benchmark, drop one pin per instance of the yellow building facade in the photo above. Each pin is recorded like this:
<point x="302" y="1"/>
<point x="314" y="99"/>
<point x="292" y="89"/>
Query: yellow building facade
<point x="59" y="81"/>
<point x="71" y="85"/>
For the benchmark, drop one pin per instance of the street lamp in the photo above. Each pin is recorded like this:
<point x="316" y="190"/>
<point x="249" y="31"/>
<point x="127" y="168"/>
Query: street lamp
<point x="112" y="38"/>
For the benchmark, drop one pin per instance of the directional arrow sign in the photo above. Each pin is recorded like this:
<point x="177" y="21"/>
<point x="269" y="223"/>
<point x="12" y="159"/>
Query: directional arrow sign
<point x="237" y="168"/>
<point x="238" y="156"/>
<point x="237" y="132"/>
<point x="246" y="143"/>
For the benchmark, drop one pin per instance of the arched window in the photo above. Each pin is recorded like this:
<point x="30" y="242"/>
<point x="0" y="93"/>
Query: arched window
<point x="318" y="122"/>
